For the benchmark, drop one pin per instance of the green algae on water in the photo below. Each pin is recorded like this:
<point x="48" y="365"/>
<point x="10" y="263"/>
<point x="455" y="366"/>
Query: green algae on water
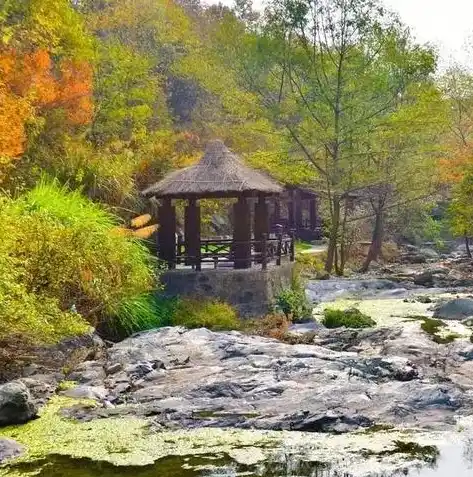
<point x="125" y="447"/>
<point x="121" y="441"/>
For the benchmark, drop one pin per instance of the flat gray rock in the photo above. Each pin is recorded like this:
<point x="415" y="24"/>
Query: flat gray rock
<point x="98" y="393"/>
<point x="457" y="309"/>
<point x="346" y="380"/>
<point x="303" y="328"/>
<point x="328" y="290"/>
<point x="9" y="450"/>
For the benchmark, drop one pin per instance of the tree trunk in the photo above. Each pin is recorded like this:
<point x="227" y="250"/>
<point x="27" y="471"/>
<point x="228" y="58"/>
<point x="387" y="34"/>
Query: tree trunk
<point x="344" y="246"/>
<point x="335" y="262"/>
<point x="333" y="239"/>
<point x="467" y="245"/>
<point x="376" y="240"/>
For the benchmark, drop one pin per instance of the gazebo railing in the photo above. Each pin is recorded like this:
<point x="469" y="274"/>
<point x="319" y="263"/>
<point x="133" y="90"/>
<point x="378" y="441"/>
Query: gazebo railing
<point x="228" y="251"/>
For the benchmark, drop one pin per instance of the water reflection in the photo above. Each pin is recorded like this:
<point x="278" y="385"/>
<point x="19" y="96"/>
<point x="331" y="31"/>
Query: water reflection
<point x="468" y="452"/>
<point x="191" y="466"/>
<point x="454" y="460"/>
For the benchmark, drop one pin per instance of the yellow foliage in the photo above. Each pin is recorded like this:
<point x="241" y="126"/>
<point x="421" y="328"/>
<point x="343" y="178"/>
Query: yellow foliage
<point x="140" y="221"/>
<point x="146" y="232"/>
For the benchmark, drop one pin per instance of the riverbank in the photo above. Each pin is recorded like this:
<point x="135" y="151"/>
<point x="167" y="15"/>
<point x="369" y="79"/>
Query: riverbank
<point x="199" y="402"/>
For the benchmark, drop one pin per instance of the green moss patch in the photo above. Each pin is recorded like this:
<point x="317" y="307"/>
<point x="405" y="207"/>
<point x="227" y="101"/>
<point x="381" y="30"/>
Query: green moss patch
<point x="434" y="327"/>
<point x="120" y="441"/>
<point x="351" y="318"/>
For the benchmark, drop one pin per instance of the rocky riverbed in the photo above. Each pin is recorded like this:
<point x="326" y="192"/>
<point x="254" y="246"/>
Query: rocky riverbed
<point x="194" y="402"/>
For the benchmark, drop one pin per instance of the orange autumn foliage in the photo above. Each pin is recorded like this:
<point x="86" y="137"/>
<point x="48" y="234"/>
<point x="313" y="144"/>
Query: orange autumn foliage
<point x="75" y="91"/>
<point x="452" y="169"/>
<point x="14" y="112"/>
<point x="31" y="84"/>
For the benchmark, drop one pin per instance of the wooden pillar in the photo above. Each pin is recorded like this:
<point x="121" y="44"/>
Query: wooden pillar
<point x="167" y="233"/>
<point x="261" y="218"/>
<point x="277" y="212"/>
<point x="292" y="249"/>
<point x="279" y="234"/>
<point x="192" y="233"/>
<point x="242" y="233"/>
<point x="291" y="216"/>
<point x="298" y="205"/>
<point x="313" y="213"/>
<point x="261" y="222"/>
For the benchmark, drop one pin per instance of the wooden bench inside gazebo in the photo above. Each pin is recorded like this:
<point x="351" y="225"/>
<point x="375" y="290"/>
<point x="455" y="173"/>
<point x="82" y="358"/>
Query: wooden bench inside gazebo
<point x="220" y="174"/>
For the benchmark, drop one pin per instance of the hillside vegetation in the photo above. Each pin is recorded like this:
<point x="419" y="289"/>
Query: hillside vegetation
<point x="100" y="98"/>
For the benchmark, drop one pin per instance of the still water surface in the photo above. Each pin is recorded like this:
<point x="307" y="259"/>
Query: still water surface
<point x="454" y="461"/>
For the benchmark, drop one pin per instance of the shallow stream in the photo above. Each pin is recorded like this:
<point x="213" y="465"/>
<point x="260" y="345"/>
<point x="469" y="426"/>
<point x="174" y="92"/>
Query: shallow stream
<point x="124" y="448"/>
<point x="454" y="460"/>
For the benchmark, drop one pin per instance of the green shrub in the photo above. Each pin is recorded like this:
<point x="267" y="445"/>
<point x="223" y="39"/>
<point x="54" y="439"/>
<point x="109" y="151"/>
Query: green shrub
<point x="211" y="314"/>
<point x="66" y="385"/>
<point x="311" y="264"/>
<point x="352" y="318"/>
<point x="293" y="302"/>
<point x="64" y="264"/>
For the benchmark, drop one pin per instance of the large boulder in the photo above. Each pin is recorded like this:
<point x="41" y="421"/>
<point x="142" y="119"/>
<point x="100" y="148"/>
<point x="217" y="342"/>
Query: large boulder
<point x="433" y="276"/>
<point x="425" y="279"/>
<point x="457" y="309"/>
<point x="9" y="449"/>
<point x="429" y="253"/>
<point x="16" y="404"/>
<point x="413" y="254"/>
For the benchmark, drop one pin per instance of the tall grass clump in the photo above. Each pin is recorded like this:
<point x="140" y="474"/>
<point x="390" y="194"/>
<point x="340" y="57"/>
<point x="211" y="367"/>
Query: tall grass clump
<point x="65" y="265"/>
<point x="212" y="314"/>
<point x="141" y="313"/>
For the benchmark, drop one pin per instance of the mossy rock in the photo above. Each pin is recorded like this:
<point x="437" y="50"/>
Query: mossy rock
<point x="351" y="318"/>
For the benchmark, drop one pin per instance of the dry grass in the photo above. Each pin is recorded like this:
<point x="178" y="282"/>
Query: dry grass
<point x="145" y="232"/>
<point x="271" y="326"/>
<point x="390" y="252"/>
<point x="276" y="326"/>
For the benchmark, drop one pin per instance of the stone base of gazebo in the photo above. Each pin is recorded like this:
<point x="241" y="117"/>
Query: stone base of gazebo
<point x="251" y="291"/>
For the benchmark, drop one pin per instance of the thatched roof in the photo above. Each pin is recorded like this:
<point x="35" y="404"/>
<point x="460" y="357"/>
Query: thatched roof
<point x="220" y="173"/>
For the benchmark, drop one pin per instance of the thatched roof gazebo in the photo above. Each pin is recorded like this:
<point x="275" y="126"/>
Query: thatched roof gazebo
<point x="219" y="174"/>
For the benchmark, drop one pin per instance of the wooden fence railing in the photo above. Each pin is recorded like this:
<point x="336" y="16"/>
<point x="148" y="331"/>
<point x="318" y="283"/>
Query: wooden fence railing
<point x="272" y="249"/>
